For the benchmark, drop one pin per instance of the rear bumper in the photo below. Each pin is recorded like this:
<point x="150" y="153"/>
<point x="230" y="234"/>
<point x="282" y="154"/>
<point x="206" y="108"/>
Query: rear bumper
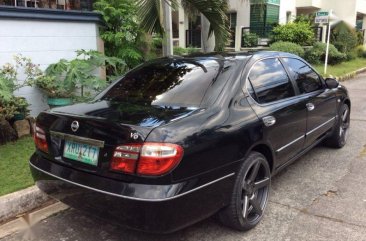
<point x="151" y="208"/>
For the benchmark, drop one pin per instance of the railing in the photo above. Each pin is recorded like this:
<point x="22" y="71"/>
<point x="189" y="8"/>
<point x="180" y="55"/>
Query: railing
<point x="193" y="38"/>
<point x="80" y="5"/>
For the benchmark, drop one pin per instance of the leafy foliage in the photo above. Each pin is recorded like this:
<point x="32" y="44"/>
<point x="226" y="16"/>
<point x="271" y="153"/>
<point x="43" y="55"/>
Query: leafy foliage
<point x="344" y="37"/>
<point x="214" y="10"/>
<point x="288" y="47"/>
<point x="64" y="77"/>
<point x="185" y="51"/>
<point x="250" y="40"/>
<point x="316" y="54"/>
<point x="360" y="51"/>
<point x="122" y="35"/>
<point x="10" y="104"/>
<point x="299" y="33"/>
<point x="15" y="105"/>
<point x="309" y="19"/>
<point x="9" y="74"/>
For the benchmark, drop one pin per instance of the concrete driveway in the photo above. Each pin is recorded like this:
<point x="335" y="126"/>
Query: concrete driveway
<point x="322" y="196"/>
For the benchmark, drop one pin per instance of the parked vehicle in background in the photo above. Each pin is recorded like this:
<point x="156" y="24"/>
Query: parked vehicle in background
<point x="177" y="140"/>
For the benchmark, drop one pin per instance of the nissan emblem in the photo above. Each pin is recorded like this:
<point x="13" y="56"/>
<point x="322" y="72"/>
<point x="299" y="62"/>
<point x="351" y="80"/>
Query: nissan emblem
<point x="74" y="126"/>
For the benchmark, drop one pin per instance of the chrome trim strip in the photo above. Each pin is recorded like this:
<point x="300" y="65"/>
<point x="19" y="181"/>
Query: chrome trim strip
<point x="133" y="198"/>
<point x="316" y="128"/>
<point x="80" y="139"/>
<point x="292" y="142"/>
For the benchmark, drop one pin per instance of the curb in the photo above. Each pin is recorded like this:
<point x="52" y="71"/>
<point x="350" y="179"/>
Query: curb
<point x="351" y="75"/>
<point x="20" y="202"/>
<point x="21" y="224"/>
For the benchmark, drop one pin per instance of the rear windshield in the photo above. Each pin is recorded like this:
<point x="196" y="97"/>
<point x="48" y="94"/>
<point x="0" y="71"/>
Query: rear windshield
<point x="166" y="82"/>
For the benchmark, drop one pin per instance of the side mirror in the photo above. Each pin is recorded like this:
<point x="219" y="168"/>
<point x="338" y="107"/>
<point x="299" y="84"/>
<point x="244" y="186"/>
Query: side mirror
<point x="331" y="83"/>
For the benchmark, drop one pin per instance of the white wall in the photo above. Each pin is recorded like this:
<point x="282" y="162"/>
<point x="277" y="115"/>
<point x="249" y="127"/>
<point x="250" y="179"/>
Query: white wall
<point x="45" y="42"/>
<point x="346" y="11"/>
<point x="287" y="6"/>
<point x="242" y="9"/>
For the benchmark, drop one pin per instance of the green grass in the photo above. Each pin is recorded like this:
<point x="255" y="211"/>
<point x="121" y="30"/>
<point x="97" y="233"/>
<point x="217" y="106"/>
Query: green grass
<point x="14" y="170"/>
<point x="343" y="68"/>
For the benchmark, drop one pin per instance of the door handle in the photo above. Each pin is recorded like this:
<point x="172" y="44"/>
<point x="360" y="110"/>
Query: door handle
<point x="310" y="106"/>
<point x="269" y="120"/>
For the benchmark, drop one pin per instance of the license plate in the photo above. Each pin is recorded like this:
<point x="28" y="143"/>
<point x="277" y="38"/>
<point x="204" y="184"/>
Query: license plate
<point x="81" y="152"/>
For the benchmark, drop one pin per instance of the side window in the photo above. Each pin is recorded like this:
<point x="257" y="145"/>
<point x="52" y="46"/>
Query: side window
<point x="306" y="79"/>
<point x="268" y="82"/>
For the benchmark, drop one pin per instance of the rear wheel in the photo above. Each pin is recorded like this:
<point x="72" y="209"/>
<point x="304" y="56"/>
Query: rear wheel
<point x="340" y="133"/>
<point x="250" y="195"/>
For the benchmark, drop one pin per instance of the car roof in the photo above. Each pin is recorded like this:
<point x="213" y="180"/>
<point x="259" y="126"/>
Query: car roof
<point x="257" y="54"/>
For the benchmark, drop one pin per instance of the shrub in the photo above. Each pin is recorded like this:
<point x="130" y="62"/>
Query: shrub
<point x="316" y="54"/>
<point x="308" y="18"/>
<point x="344" y="37"/>
<point x="192" y="50"/>
<point x="300" y="33"/>
<point x="360" y="51"/>
<point x="250" y="40"/>
<point x="63" y="78"/>
<point x="288" y="47"/>
<point x="179" y="51"/>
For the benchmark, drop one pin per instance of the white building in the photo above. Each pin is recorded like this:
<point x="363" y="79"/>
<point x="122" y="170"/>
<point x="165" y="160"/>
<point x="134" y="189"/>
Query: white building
<point x="245" y="15"/>
<point x="46" y="31"/>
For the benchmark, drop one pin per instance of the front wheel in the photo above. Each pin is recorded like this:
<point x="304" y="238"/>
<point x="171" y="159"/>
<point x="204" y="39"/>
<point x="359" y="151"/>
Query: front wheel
<point x="250" y="194"/>
<point x="340" y="133"/>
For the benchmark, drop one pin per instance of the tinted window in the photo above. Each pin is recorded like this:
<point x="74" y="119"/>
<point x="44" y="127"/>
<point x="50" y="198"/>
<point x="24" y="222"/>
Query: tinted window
<point x="166" y="83"/>
<point x="269" y="81"/>
<point x="307" y="80"/>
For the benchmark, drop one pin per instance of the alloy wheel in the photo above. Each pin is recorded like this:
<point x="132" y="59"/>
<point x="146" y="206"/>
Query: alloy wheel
<point x="255" y="191"/>
<point x="344" y="125"/>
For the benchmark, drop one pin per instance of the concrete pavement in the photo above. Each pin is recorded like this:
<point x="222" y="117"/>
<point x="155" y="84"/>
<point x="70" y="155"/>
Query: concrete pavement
<point x="322" y="196"/>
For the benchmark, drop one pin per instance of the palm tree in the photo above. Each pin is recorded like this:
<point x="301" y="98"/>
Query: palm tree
<point x="156" y="18"/>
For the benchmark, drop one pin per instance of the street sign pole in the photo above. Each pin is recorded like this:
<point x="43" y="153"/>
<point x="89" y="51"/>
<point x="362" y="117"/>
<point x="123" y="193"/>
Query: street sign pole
<point x="327" y="51"/>
<point x="324" y="17"/>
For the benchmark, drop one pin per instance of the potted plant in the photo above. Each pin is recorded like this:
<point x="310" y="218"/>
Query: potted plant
<point x="69" y="80"/>
<point x="58" y="92"/>
<point x="21" y="108"/>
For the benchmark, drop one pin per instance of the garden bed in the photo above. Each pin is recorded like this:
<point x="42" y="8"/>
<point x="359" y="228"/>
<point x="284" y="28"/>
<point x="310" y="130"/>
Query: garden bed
<point x="14" y="170"/>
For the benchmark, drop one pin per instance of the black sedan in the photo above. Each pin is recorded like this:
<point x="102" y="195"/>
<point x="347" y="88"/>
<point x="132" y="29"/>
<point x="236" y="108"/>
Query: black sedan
<point x="177" y="140"/>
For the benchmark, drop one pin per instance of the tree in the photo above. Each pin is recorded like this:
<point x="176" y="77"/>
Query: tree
<point x="121" y="32"/>
<point x="152" y="18"/>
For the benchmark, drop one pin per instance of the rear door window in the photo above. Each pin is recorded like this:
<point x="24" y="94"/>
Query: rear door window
<point x="307" y="80"/>
<point x="269" y="82"/>
<point x="166" y="82"/>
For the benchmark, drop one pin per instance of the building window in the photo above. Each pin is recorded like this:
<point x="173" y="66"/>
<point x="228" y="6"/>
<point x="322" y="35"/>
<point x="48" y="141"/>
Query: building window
<point x="232" y="17"/>
<point x="79" y="5"/>
<point x="263" y="17"/>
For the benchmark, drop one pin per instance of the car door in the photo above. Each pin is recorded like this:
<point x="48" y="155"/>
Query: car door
<point x="320" y="101"/>
<point x="272" y="97"/>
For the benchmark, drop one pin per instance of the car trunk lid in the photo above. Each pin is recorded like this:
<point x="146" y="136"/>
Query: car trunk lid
<point x="97" y="128"/>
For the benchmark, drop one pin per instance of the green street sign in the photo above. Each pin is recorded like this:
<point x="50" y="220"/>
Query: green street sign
<point x="322" y="14"/>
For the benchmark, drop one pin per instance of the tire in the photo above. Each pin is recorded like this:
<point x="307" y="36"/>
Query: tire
<point x="251" y="188"/>
<point x="339" y="135"/>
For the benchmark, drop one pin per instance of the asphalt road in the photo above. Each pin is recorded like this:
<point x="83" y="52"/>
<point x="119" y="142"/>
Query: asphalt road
<point x="322" y="196"/>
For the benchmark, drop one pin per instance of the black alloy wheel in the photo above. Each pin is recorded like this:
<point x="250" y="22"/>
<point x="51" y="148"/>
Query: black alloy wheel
<point x="250" y="195"/>
<point x="340" y="133"/>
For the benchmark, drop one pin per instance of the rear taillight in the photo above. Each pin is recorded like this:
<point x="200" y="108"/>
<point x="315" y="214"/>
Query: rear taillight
<point x="151" y="159"/>
<point x="39" y="137"/>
